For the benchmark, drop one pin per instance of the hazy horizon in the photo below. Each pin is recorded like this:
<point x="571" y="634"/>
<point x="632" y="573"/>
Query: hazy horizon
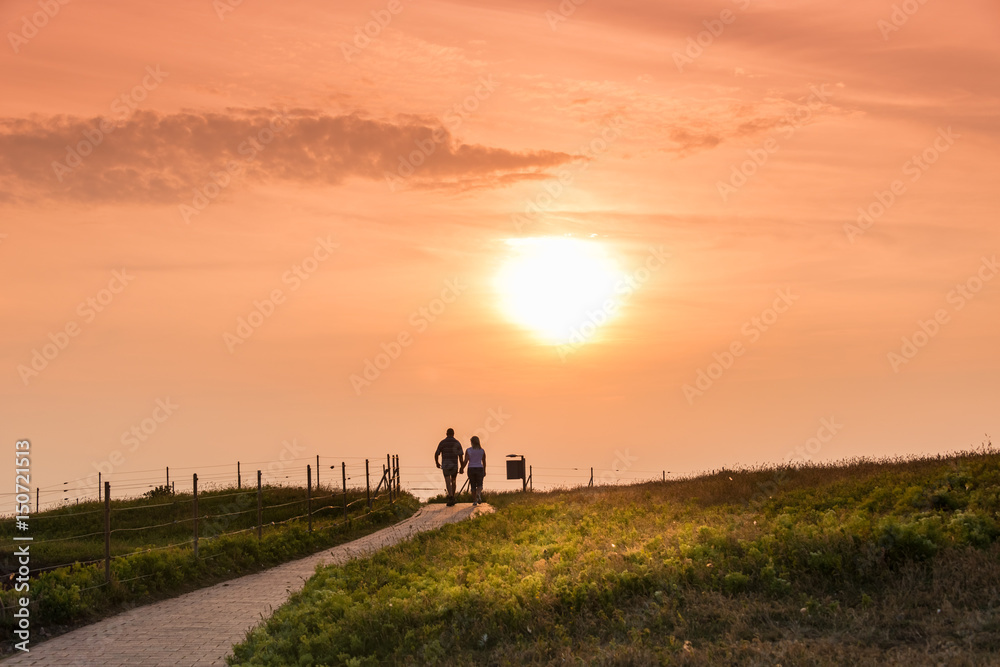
<point x="623" y="235"/>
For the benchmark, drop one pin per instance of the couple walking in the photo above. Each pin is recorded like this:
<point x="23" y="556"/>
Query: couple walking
<point x="450" y="458"/>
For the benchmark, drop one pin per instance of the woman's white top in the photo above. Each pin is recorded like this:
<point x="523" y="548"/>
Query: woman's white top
<point x="475" y="457"/>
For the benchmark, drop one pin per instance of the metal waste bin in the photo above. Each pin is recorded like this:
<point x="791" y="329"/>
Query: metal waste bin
<point x="515" y="468"/>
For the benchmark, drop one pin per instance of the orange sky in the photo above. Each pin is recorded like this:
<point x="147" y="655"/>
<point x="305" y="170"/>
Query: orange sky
<point x="738" y="139"/>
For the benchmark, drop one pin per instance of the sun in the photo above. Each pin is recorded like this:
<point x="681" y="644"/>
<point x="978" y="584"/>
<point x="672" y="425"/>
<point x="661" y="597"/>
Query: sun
<point x="560" y="288"/>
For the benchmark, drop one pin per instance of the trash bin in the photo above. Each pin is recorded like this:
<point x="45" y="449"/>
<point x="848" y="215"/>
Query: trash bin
<point x="515" y="469"/>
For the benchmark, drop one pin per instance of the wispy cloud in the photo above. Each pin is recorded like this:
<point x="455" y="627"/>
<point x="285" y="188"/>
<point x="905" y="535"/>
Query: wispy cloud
<point x="157" y="157"/>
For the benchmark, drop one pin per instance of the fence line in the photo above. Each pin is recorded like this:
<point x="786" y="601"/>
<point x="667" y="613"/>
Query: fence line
<point x="133" y="483"/>
<point x="548" y="477"/>
<point x="212" y="515"/>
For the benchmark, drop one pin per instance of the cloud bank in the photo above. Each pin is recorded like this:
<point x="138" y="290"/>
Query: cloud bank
<point x="153" y="157"/>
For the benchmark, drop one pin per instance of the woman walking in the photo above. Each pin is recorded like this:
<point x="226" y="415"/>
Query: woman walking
<point x="475" y="459"/>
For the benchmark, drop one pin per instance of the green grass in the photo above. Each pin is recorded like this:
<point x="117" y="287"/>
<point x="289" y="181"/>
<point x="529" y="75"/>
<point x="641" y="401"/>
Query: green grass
<point x="856" y="563"/>
<point x="146" y="567"/>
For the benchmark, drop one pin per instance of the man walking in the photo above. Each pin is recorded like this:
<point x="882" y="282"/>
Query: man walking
<point x="449" y="451"/>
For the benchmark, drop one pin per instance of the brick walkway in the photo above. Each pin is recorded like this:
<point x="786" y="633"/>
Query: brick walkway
<point x="199" y="628"/>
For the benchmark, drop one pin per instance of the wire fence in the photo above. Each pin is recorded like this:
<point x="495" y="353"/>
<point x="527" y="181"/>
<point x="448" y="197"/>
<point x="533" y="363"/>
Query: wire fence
<point x="388" y="495"/>
<point x="245" y="509"/>
<point x="281" y="472"/>
<point x="427" y="480"/>
<point x="129" y="526"/>
<point x="423" y="480"/>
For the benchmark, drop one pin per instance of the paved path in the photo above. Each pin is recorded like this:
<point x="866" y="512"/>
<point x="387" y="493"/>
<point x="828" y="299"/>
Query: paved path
<point x="200" y="628"/>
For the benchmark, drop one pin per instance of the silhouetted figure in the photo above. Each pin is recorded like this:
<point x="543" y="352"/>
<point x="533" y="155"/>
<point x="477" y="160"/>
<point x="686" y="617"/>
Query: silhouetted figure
<point x="449" y="451"/>
<point x="475" y="459"/>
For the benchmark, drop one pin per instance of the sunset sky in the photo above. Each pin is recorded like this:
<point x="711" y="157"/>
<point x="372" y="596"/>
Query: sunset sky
<point x="632" y="235"/>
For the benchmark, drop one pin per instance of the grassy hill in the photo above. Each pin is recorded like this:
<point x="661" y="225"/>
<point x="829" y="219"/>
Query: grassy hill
<point x="856" y="563"/>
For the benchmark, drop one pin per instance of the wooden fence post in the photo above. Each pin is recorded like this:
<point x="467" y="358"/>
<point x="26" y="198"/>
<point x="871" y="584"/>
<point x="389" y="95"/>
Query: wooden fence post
<point x="368" y="486"/>
<point x="343" y="473"/>
<point x="309" y="496"/>
<point x="260" y="510"/>
<point x="107" y="532"/>
<point x="194" y="484"/>
<point x="388" y="479"/>
<point x="239" y="479"/>
<point x="317" y="473"/>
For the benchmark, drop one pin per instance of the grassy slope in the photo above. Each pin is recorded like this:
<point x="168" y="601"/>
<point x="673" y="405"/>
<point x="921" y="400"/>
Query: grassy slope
<point x="862" y="563"/>
<point x="70" y="596"/>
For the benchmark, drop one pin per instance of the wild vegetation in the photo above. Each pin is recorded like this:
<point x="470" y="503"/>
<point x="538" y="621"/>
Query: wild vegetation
<point x="152" y="551"/>
<point x="862" y="562"/>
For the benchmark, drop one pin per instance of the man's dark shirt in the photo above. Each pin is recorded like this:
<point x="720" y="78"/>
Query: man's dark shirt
<point x="450" y="450"/>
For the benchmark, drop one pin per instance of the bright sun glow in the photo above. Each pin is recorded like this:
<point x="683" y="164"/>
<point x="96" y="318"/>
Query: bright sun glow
<point x="558" y="287"/>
